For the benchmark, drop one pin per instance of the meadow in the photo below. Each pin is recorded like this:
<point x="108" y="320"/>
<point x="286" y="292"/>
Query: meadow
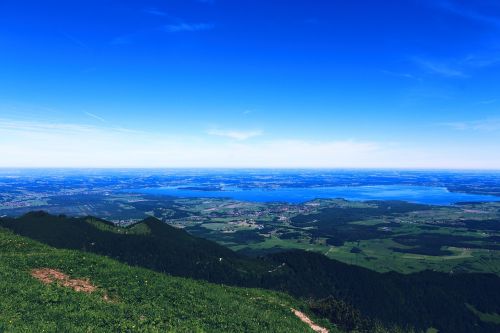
<point x="127" y="298"/>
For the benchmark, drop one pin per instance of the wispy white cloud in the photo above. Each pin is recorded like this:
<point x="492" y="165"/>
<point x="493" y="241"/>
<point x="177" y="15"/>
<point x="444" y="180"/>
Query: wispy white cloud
<point x="75" y="40"/>
<point x="20" y="126"/>
<point x="189" y="27"/>
<point x="467" y="12"/>
<point x="154" y="11"/>
<point x="401" y="75"/>
<point x="38" y="144"/>
<point x="169" y="28"/>
<point x="176" y="25"/>
<point x="44" y="144"/>
<point x="235" y="134"/>
<point x="459" y="67"/>
<point x="488" y="125"/>
<point x="486" y="59"/>
<point x="92" y="115"/>
<point x="485" y="55"/>
<point x="488" y="101"/>
<point x="123" y="40"/>
<point x="440" y="68"/>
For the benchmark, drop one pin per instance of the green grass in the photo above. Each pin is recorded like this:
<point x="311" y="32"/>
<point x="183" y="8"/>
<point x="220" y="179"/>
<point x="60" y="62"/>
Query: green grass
<point x="141" y="300"/>
<point x="377" y="254"/>
<point x="273" y="242"/>
<point x="348" y="295"/>
<point x="135" y="229"/>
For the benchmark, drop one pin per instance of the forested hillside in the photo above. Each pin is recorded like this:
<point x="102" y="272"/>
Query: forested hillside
<point x="350" y="296"/>
<point x="44" y="289"/>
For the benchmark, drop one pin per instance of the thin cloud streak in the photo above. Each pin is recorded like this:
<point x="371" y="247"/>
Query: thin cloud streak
<point x="188" y="27"/>
<point x="487" y="125"/>
<point x="42" y="144"/>
<point x="439" y="68"/>
<point x="487" y="102"/>
<point x="234" y="134"/>
<point x="459" y="67"/>
<point x="92" y="115"/>
<point x="123" y="40"/>
<point x="154" y="12"/>
<point x="75" y="41"/>
<point x="401" y="75"/>
<point x="26" y="127"/>
<point x="169" y="28"/>
<point x="452" y="7"/>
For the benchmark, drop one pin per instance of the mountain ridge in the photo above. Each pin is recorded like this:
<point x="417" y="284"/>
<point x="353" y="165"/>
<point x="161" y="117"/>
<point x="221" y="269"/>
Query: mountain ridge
<point x="49" y="289"/>
<point x="351" y="296"/>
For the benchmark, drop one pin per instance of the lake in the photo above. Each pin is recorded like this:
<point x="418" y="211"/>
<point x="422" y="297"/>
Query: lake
<point x="416" y="194"/>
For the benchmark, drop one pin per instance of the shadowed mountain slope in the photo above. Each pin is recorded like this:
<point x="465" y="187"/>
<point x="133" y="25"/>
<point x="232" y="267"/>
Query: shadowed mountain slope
<point x="351" y="296"/>
<point x="45" y="289"/>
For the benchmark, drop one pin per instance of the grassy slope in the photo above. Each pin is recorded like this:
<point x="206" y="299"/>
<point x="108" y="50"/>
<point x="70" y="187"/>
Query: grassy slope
<point x="141" y="300"/>
<point x="423" y="300"/>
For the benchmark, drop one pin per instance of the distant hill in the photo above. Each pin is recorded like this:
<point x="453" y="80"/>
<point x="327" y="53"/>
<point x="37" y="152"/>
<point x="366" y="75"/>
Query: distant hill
<point x="350" y="296"/>
<point x="45" y="289"/>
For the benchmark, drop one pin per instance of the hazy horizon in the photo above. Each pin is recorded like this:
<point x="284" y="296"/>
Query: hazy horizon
<point x="250" y="168"/>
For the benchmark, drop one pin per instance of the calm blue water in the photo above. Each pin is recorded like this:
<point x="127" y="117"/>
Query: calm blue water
<point x="416" y="194"/>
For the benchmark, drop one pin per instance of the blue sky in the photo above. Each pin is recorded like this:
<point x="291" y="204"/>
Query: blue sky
<point x="225" y="83"/>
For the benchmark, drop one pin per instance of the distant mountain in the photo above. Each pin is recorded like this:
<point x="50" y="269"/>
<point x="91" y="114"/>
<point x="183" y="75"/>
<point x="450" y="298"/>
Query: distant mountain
<point x="350" y="296"/>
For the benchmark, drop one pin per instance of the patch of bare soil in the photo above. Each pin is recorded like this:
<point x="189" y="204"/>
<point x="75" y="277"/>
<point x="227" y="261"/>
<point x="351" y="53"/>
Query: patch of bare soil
<point x="48" y="275"/>
<point x="308" y="321"/>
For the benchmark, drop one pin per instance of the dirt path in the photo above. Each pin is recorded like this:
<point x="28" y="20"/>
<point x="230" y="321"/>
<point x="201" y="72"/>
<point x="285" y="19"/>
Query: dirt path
<point x="308" y="321"/>
<point x="48" y="275"/>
